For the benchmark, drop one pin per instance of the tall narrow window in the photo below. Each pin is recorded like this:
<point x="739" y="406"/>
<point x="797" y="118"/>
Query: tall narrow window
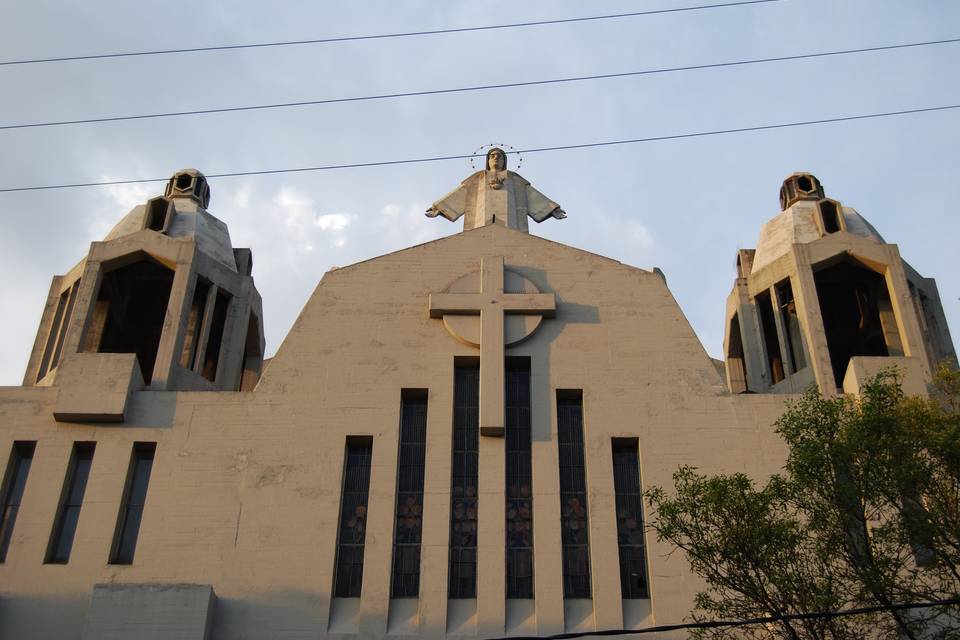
<point x="65" y="525"/>
<point x="626" y="483"/>
<point x="12" y="492"/>
<point x="353" y="518"/>
<point x="791" y="325"/>
<point x="58" y="330"/>
<point x="464" y="482"/>
<point x="409" y="512"/>
<point x="211" y="357"/>
<point x="134" y="497"/>
<point x="194" y="324"/>
<point x="770" y="339"/>
<point x="574" y="524"/>
<point x="519" y="480"/>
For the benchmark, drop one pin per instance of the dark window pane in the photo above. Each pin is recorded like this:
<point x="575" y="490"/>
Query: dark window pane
<point x="65" y="525"/>
<point x="128" y="542"/>
<point x="409" y="509"/>
<point x="353" y="519"/>
<point x="630" y="539"/>
<point x="574" y="523"/>
<point x="64" y="541"/>
<point x="135" y="496"/>
<point x="463" y="483"/>
<point x="12" y="491"/>
<point x="519" y="481"/>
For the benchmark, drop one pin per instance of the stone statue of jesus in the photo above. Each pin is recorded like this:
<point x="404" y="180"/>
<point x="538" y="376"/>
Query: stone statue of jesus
<point x="495" y="195"/>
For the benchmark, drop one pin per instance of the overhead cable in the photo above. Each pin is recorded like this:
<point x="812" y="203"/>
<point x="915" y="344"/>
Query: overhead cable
<point x="609" y="143"/>
<point x="507" y="85"/>
<point x="716" y="624"/>
<point x="382" y="36"/>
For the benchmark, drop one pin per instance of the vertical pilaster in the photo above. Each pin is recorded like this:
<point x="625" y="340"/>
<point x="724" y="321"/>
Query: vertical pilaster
<point x="377" y="554"/>
<point x="176" y="318"/>
<point x="491" y="536"/>
<point x="43" y="332"/>
<point x="434" y="547"/>
<point x="604" y="549"/>
<point x="547" y="544"/>
<point x="786" y="356"/>
<point x="811" y="321"/>
<point x="83" y="307"/>
<point x="911" y="336"/>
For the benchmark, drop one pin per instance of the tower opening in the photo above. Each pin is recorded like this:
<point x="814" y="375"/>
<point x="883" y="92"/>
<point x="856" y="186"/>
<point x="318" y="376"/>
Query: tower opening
<point x="129" y="312"/>
<point x="252" y="355"/>
<point x="857" y="314"/>
<point x="830" y="216"/>
<point x="736" y="364"/>
<point x="770" y="338"/>
<point x="211" y="357"/>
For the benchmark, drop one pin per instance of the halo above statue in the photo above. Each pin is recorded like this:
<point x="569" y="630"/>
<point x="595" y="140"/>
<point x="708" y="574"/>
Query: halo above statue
<point x="483" y="152"/>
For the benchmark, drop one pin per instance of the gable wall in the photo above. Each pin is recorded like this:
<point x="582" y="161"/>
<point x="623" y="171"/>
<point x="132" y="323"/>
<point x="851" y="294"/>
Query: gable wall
<point x="244" y="494"/>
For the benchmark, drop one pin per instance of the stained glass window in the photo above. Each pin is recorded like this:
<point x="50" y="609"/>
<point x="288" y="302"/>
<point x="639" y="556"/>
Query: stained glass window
<point x="574" y="524"/>
<point x="519" y="480"/>
<point x="409" y="508"/>
<point x="464" y="482"/>
<point x="353" y="518"/>
<point x="626" y="482"/>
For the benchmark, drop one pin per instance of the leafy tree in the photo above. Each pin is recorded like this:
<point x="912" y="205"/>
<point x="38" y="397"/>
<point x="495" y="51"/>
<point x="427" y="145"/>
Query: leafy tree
<point x="866" y="513"/>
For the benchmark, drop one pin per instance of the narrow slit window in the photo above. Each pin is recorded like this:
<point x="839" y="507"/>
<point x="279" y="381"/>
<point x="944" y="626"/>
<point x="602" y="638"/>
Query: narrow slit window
<point x="409" y="509"/>
<point x="353" y="518"/>
<point x="134" y="498"/>
<point x="194" y="323"/>
<point x="626" y="483"/>
<point x="13" y="485"/>
<point x="65" y="525"/>
<point x="58" y="330"/>
<point x="791" y="324"/>
<point x="771" y="341"/>
<point x="211" y="356"/>
<point x="574" y="523"/>
<point x="464" y="482"/>
<point x="62" y="333"/>
<point x="519" y="480"/>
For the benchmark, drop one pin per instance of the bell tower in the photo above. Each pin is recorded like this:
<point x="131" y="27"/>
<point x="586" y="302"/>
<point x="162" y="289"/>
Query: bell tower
<point x="825" y="300"/>
<point x="163" y="303"/>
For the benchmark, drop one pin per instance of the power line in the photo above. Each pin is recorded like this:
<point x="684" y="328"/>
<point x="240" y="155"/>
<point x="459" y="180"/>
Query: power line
<point x="609" y="143"/>
<point x="508" y="85"/>
<point x="381" y="36"/>
<point x="714" y="624"/>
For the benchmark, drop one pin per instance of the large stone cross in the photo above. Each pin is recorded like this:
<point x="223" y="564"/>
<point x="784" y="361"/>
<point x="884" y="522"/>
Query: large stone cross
<point x="491" y="304"/>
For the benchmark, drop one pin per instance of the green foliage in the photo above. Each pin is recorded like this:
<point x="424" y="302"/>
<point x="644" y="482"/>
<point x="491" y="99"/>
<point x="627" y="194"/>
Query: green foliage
<point x="866" y="513"/>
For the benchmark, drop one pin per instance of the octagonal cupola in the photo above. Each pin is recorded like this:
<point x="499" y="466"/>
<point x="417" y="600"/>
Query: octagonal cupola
<point x="189" y="183"/>
<point x="800" y="186"/>
<point x="164" y="302"/>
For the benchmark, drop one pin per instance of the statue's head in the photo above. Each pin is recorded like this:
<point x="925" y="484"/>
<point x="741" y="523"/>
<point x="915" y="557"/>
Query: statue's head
<point x="496" y="159"/>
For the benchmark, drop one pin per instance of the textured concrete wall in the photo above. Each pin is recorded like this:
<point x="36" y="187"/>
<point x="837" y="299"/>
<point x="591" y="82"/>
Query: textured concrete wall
<point x="149" y="612"/>
<point x="244" y="494"/>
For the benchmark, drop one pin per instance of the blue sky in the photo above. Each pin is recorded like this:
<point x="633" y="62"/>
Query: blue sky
<point x="684" y="206"/>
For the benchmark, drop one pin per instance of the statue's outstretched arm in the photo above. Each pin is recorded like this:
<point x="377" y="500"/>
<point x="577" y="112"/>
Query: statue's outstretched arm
<point x="451" y="206"/>
<point x="540" y="207"/>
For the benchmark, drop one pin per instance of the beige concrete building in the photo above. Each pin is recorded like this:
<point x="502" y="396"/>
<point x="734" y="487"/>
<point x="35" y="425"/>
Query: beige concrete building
<point x="451" y="441"/>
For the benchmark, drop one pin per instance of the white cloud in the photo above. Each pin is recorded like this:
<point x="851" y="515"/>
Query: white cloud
<point x="333" y="221"/>
<point x="119" y="197"/>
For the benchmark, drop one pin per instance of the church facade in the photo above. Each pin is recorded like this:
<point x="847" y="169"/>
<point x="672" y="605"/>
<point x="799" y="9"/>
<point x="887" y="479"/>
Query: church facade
<point x="452" y="440"/>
